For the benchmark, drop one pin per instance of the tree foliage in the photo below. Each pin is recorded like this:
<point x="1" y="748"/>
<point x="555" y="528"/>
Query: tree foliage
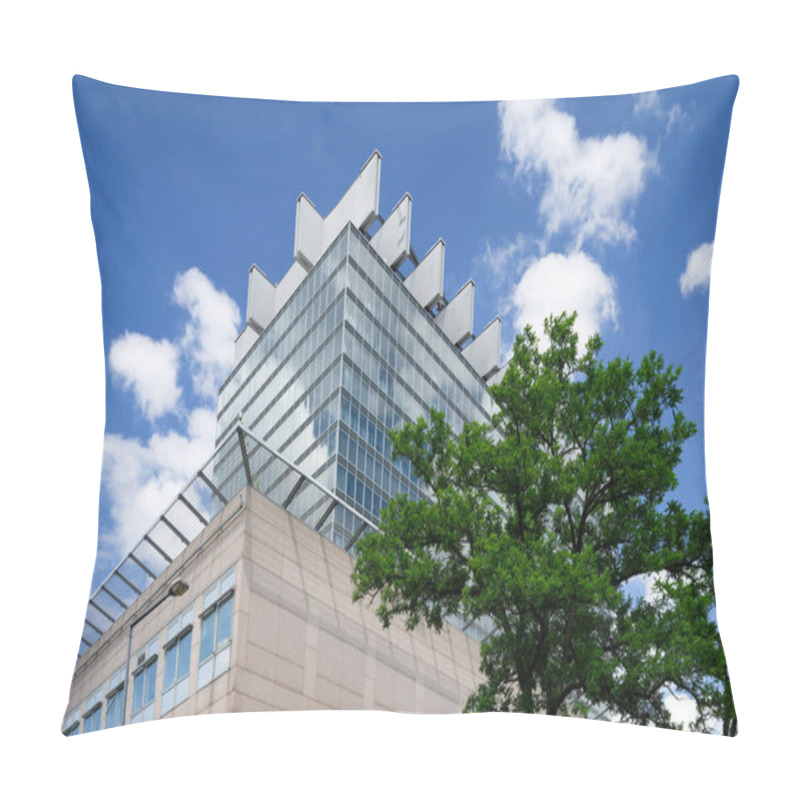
<point x="542" y="522"/>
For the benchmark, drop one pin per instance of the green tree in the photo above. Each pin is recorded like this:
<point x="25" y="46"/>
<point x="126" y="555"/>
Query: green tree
<point x="678" y="620"/>
<point x="538" y="524"/>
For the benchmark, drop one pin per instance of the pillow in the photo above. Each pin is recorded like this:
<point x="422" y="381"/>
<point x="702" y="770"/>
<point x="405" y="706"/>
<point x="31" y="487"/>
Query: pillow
<point x="338" y="476"/>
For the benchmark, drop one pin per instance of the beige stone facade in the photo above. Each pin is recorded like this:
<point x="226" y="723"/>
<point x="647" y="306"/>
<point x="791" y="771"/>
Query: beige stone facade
<point x="297" y="640"/>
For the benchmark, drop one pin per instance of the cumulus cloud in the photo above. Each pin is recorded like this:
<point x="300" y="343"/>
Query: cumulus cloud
<point x="150" y="369"/>
<point x="143" y="478"/>
<point x="590" y="183"/>
<point x="697" y="274"/>
<point x="209" y="335"/>
<point x="556" y="283"/>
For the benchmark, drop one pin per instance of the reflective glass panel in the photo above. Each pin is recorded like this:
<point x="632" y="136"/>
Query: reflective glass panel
<point x="170" y="659"/>
<point x="138" y="690"/>
<point x="207" y="635"/>
<point x="225" y="612"/>
<point x="114" y="709"/>
<point x="150" y="682"/>
<point x="184" y="652"/>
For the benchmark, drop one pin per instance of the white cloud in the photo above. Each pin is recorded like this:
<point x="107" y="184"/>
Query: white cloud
<point x="590" y="183"/>
<point x="650" y="103"/>
<point x="150" y="369"/>
<point x="504" y="259"/>
<point x="143" y="478"/>
<point x="698" y="269"/>
<point x="647" y="102"/>
<point x="643" y="587"/>
<point x="210" y="333"/>
<point x="557" y="283"/>
<point x="682" y="709"/>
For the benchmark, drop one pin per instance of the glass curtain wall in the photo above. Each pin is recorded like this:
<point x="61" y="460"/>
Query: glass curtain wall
<point x="350" y="357"/>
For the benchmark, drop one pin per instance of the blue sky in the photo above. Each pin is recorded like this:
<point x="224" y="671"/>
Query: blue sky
<point x="607" y="205"/>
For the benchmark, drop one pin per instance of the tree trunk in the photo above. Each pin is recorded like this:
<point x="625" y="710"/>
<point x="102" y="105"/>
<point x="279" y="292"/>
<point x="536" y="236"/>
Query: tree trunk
<point x="526" y="705"/>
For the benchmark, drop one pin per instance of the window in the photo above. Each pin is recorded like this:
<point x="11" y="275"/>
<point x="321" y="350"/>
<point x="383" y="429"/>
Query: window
<point x="91" y="716"/>
<point x="114" y="698"/>
<point x="72" y="722"/>
<point x="144" y="682"/>
<point x="216" y="625"/>
<point x="215" y="628"/>
<point x="177" y="655"/>
<point x="176" y="659"/>
<point x="144" y="686"/>
<point x="91" y="722"/>
<point x="114" y="708"/>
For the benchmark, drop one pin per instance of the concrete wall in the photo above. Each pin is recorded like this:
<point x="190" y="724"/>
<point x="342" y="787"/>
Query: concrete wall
<point x="298" y="641"/>
<point x="306" y="645"/>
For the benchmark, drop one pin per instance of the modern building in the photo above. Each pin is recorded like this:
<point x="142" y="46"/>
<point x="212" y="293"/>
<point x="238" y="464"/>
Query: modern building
<point x="267" y="623"/>
<point x="239" y="596"/>
<point x="355" y="340"/>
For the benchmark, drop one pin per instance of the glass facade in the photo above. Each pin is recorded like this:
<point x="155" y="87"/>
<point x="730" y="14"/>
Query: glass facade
<point x="287" y="390"/>
<point x="349" y="357"/>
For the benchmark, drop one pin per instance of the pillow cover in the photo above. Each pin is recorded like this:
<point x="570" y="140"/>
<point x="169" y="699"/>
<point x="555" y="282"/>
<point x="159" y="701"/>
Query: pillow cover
<point x="337" y="476"/>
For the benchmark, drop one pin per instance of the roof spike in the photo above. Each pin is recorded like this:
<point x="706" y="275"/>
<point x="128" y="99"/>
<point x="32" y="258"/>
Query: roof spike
<point x="314" y="233"/>
<point x="456" y="318"/>
<point x="392" y="241"/>
<point x="483" y="352"/>
<point x="426" y="282"/>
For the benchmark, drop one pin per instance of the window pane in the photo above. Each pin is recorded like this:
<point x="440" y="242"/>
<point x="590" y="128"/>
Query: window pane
<point x="138" y="689"/>
<point x="111" y="709"/>
<point x="207" y="635"/>
<point x="150" y="683"/>
<point x="170" y="657"/>
<point x="120" y="706"/>
<point x="184" y="652"/>
<point x="114" y="709"/>
<point x="96" y="714"/>
<point x="225" y="612"/>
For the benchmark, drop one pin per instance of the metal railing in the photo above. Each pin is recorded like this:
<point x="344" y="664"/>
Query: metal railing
<point x="242" y="459"/>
